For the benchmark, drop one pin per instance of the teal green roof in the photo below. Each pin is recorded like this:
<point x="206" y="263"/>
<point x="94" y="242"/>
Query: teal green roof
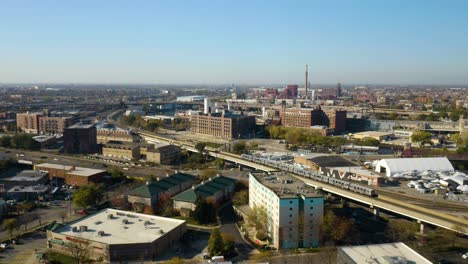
<point x="204" y="190"/>
<point x="154" y="188"/>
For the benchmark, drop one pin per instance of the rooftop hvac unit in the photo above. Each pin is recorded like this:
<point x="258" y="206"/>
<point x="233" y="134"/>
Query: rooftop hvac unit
<point x="147" y="222"/>
<point x="74" y="229"/>
<point x="161" y="231"/>
<point x="101" y="233"/>
<point x="83" y="228"/>
<point x="124" y="221"/>
<point x="110" y="216"/>
<point x="121" y="214"/>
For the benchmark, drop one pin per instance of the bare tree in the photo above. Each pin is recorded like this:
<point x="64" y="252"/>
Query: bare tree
<point x="79" y="249"/>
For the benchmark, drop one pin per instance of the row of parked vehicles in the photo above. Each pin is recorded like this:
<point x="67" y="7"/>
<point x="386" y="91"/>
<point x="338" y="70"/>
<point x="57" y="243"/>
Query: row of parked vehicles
<point x="312" y="175"/>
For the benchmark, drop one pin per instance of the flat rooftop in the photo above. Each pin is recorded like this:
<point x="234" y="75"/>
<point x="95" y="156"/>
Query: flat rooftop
<point x="331" y="161"/>
<point x="285" y="186"/>
<point x="29" y="175"/>
<point x="81" y="126"/>
<point x="54" y="166"/>
<point x="139" y="228"/>
<point x="384" y="253"/>
<point x="86" y="172"/>
<point x="373" y="133"/>
<point x="21" y="189"/>
<point x="79" y="171"/>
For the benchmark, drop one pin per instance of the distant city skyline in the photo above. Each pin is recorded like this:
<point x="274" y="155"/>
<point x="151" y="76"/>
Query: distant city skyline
<point x="241" y="42"/>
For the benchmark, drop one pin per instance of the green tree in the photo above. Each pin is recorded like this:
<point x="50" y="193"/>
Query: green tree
<point x="204" y="212"/>
<point x="241" y="197"/>
<point x="260" y="218"/>
<point x="116" y="174"/>
<point x="5" y="141"/>
<point x="401" y="230"/>
<point x="219" y="163"/>
<point x="200" y="147"/>
<point x="24" y="141"/>
<point x="10" y="225"/>
<point x="239" y="147"/>
<point x="215" y="243"/>
<point x="368" y="141"/>
<point x="421" y="137"/>
<point x="87" y="196"/>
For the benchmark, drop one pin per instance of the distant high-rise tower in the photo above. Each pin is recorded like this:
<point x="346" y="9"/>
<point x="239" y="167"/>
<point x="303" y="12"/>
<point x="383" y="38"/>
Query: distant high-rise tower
<point x="338" y="90"/>
<point x="306" y="81"/>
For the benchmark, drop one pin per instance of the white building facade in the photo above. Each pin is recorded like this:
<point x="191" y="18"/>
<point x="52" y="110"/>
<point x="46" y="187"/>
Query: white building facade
<point x="294" y="211"/>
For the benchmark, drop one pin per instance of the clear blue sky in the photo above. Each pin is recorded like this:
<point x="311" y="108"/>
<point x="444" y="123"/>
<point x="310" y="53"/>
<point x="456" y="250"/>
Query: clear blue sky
<point x="220" y="41"/>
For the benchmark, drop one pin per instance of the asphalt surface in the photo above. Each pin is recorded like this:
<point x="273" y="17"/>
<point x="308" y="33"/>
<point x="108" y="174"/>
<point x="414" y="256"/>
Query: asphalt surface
<point x="228" y="221"/>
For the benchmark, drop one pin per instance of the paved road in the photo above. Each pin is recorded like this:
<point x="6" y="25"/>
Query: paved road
<point x="228" y="220"/>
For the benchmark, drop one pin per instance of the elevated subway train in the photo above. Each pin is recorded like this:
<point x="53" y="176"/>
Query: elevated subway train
<point x="312" y="175"/>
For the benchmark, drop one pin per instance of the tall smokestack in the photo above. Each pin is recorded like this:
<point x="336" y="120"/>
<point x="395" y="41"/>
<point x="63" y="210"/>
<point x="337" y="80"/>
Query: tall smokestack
<point x="306" y="81"/>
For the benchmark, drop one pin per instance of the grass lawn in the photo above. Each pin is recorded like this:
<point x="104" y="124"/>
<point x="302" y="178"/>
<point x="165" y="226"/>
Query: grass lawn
<point x="55" y="257"/>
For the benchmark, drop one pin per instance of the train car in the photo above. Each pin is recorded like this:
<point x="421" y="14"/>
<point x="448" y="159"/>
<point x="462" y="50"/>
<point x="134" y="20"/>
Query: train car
<point x="312" y="175"/>
<point x="339" y="183"/>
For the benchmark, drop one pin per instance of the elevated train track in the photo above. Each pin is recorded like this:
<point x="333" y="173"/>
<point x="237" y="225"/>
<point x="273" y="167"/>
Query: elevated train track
<point x="385" y="201"/>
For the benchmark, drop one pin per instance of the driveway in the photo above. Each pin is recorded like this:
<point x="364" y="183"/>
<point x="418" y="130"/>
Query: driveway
<point x="228" y="221"/>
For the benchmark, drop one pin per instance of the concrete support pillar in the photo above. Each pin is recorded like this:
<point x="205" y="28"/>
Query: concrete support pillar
<point x="421" y="227"/>
<point x="376" y="212"/>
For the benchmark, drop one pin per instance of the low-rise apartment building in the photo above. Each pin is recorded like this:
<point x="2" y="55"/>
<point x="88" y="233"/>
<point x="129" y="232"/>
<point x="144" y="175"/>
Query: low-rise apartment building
<point x="214" y="191"/>
<point x="294" y="210"/>
<point x="163" y="154"/>
<point x="121" y="150"/>
<point x="165" y="187"/>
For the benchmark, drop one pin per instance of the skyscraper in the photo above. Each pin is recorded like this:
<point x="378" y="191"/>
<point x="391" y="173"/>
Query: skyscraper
<point x="338" y="90"/>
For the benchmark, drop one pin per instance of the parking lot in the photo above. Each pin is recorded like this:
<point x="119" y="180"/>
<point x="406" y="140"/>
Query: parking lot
<point x="25" y="251"/>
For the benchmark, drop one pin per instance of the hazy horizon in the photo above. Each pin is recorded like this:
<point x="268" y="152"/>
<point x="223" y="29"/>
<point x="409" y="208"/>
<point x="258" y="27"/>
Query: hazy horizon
<point x="242" y="42"/>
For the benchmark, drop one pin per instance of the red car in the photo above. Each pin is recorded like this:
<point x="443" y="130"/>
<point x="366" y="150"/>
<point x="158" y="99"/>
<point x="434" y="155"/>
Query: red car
<point x="83" y="212"/>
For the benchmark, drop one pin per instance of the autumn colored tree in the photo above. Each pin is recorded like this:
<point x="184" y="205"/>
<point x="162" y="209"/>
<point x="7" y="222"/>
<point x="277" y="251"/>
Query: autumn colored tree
<point x="148" y="210"/>
<point x="335" y="228"/>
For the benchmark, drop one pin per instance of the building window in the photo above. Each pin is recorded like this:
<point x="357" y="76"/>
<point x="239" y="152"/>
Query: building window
<point x="290" y="215"/>
<point x="290" y="202"/>
<point x="290" y="208"/>
<point x="311" y="208"/>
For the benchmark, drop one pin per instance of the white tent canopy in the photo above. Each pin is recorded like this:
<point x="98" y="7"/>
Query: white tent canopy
<point x="394" y="166"/>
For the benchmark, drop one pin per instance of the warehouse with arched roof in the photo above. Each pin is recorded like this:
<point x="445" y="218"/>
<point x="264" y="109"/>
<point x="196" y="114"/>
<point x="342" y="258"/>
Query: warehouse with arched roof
<point x="393" y="166"/>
